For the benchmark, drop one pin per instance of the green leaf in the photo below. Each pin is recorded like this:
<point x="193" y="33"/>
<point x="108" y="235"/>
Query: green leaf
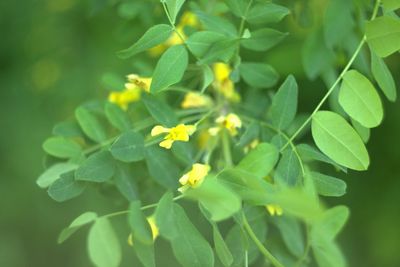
<point x="258" y="75"/>
<point x="189" y="247"/>
<point x="291" y="232"/>
<point x="90" y="125"/>
<point x="66" y="188"/>
<point x="129" y="147"/>
<point x="362" y="131"/>
<point x="67" y="129"/>
<point x="220" y="51"/>
<point x="216" y="198"/>
<point x="237" y="7"/>
<point x="144" y="252"/>
<point x="165" y="217"/>
<point x="266" y="13"/>
<point x="112" y="82"/>
<point x="126" y="183"/>
<point x="151" y="38"/>
<point x="117" y="117"/>
<point x="200" y="42"/>
<point x="288" y="171"/>
<point x="170" y="68"/>
<point x="173" y="8"/>
<point x="335" y="137"/>
<point x="160" y="110"/>
<point x="217" y="24"/>
<point x="138" y="223"/>
<point x="327" y="185"/>
<point x="391" y="4"/>
<point x="221" y="248"/>
<point x="260" y="161"/>
<point x="54" y="172"/>
<point x="328" y="254"/>
<point x="383" y="35"/>
<point x="263" y="39"/>
<point x="338" y="22"/>
<point x="316" y="56"/>
<point x="61" y="147"/>
<point x="330" y="223"/>
<point x="98" y="168"/>
<point x="162" y="167"/>
<point x="383" y="77"/>
<point x="284" y="104"/>
<point x="208" y="77"/>
<point x="81" y="220"/>
<point x="360" y="100"/>
<point x="251" y="133"/>
<point x="310" y="153"/>
<point x="103" y="246"/>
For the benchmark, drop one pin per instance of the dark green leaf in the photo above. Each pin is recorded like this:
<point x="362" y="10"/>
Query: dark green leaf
<point x="81" y="220"/>
<point x="263" y="39"/>
<point x="98" y="168"/>
<point x="66" y="188"/>
<point x="292" y="235"/>
<point x="266" y="13"/>
<point x="327" y="185"/>
<point x="126" y="183"/>
<point x="159" y="110"/>
<point x="153" y="37"/>
<point x="90" y="125"/>
<point x="138" y="223"/>
<point x="61" y="147"/>
<point x="221" y="248"/>
<point x="129" y="147"/>
<point x="170" y="68"/>
<point x="200" y="42"/>
<point x="217" y="24"/>
<point x="54" y="172"/>
<point x="288" y="170"/>
<point x="117" y="117"/>
<point x="258" y="75"/>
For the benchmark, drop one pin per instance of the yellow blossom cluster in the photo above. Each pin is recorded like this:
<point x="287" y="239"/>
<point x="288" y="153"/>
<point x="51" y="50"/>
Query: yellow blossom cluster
<point x="223" y="83"/>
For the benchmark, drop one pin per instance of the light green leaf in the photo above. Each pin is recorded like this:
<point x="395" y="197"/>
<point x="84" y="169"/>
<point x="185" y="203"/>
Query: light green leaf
<point x="98" y="168"/>
<point x="383" y="35"/>
<point x="327" y="253"/>
<point x="258" y="75"/>
<point x="129" y="147"/>
<point x="200" y="42"/>
<point x="383" y="77"/>
<point x="61" y="147"/>
<point x="117" y="117"/>
<point x="144" y="252"/>
<point x="391" y="4"/>
<point x="76" y="224"/>
<point x="237" y="7"/>
<point x="221" y="248"/>
<point x="266" y="13"/>
<point x="216" y="198"/>
<point x="360" y="100"/>
<point x="208" y="77"/>
<point x="173" y="8"/>
<point x="138" y="223"/>
<point x="260" y="160"/>
<point x="160" y="110"/>
<point x="170" y="68"/>
<point x="190" y="248"/>
<point x="335" y="137"/>
<point x="54" y="172"/>
<point x="263" y="39"/>
<point x="288" y="171"/>
<point x="90" y="125"/>
<point x="220" y="51"/>
<point x="331" y="222"/>
<point x="327" y="185"/>
<point x="151" y="38"/>
<point x="67" y="129"/>
<point x="103" y="246"/>
<point x="162" y="167"/>
<point x="66" y="188"/>
<point x="284" y="104"/>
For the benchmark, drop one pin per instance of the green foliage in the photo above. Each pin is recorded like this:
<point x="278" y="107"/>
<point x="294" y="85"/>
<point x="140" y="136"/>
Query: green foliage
<point x="211" y="126"/>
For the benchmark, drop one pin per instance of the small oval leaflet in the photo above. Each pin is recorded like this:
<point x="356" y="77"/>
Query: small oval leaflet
<point x="335" y="137"/>
<point x="129" y="147"/>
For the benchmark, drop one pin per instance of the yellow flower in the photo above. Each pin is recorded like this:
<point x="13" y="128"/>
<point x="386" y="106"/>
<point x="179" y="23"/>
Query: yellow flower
<point x="231" y="122"/>
<point x="131" y="92"/>
<point x="274" y="209"/>
<point x="189" y="19"/>
<point x="141" y="82"/>
<point x="153" y="227"/>
<point x="180" y="132"/>
<point x="125" y="97"/>
<point x="195" y="100"/>
<point x="194" y="177"/>
<point x="223" y="83"/>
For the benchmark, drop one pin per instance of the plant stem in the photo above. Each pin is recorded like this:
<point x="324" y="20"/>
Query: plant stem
<point x="226" y="148"/>
<point x="332" y="88"/>
<point x="260" y="246"/>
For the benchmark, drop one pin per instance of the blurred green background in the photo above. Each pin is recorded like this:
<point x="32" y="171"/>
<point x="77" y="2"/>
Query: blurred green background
<point x="52" y="56"/>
